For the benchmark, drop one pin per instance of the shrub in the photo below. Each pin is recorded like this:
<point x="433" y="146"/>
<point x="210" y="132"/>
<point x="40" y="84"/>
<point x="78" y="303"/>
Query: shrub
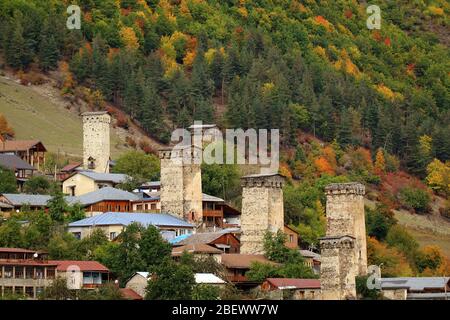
<point x="130" y="142"/>
<point x="414" y="198"/>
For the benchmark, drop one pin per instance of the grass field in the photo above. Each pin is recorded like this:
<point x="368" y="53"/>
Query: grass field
<point x="34" y="116"/>
<point x="429" y="238"/>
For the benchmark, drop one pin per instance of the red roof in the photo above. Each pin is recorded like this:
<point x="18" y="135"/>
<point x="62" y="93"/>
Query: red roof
<point x="71" y="167"/>
<point x="16" y="250"/>
<point x="130" y="294"/>
<point x="63" y="265"/>
<point x="21" y="145"/>
<point x="285" y="283"/>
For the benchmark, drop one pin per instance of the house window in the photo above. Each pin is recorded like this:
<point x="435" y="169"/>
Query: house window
<point x="29" y="271"/>
<point x="8" y="272"/>
<point x="291" y="238"/>
<point x="87" y="277"/>
<point x="112" y="235"/>
<point x="139" y="207"/>
<point x="51" y="273"/>
<point x="39" y="273"/>
<point x="77" y="235"/>
<point x="18" y="291"/>
<point x="153" y="206"/>
<point x="29" y="292"/>
<point x="19" y="273"/>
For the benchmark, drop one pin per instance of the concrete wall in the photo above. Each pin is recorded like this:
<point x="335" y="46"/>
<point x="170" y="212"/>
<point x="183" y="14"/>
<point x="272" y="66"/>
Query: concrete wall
<point x="82" y="185"/>
<point x="96" y="140"/>
<point x="262" y="210"/>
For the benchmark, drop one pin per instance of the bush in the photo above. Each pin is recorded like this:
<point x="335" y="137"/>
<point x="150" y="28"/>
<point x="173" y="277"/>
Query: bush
<point x="416" y="199"/>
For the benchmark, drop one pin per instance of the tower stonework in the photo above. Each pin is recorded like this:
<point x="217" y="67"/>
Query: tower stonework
<point x="262" y="210"/>
<point x="344" y="249"/>
<point x="96" y="141"/>
<point x="181" y="183"/>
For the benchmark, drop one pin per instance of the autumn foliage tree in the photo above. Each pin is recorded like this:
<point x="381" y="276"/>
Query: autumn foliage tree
<point x="5" y="129"/>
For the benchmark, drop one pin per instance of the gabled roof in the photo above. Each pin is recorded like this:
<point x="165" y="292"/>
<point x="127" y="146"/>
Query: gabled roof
<point x="243" y="261"/>
<point x="125" y="219"/>
<point x="20" y="199"/>
<point x="64" y="265"/>
<point x="70" y="167"/>
<point x="209" y="198"/>
<point x="195" y="248"/>
<point x="20" y="145"/>
<point x="415" y="283"/>
<point x="208" y="278"/>
<point x="290" y="283"/>
<point x="202" y="238"/>
<point x="104" y="194"/>
<point x="102" y="177"/>
<point x="13" y="162"/>
<point x="105" y="177"/>
<point x="310" y="254"/>
<point x="16" y="250"/>
<point x="130" y="294"/>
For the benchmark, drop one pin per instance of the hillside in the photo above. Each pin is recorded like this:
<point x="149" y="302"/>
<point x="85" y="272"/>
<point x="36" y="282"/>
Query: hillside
<point x="40" y="112"/>
<point x="352" y="104"/>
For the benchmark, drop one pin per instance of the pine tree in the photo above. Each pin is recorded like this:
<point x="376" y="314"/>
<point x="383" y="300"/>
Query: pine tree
<point x="48" y="49"/>
<point x="202" y="85"/>
<point x="100" y="68"/>
<point x="152" y="111"/>
<point x="17" y="52"/>
<point x="345" y="129"/>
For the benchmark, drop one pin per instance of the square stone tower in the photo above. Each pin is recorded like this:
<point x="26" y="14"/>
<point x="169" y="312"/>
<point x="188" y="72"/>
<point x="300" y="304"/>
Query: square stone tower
<point x="96" y="141"/>
<point x="262" y="210"/>
<point x="344" y="249"/>
<point x="181" y="183"/>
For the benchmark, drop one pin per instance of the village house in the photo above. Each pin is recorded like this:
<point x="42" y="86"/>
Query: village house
<point x="25" y="272"/>
<point x="113" y="223"/>
<point x="82" y="182"/>
<point x="28" y="272"/>
<point x="22" y="170"/>
<point x="30" y="151"/>
<point x="291" y="289"/>
<point x="198" y="250"/>
<point x="139" y="281"/>
<point x="224" y="240"/>
<point x="238" y="264"/>
<point x="291" y="237"/>
<point x="16" y="202"/>
<point x="312" y="260"/>
<point x="103" y="200"/>
<point x="69" y="170"/>
<point x="82" y="274"/>
<point x="416" y="288"/>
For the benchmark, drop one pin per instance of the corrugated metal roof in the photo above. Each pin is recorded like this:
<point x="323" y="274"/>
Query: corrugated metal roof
<point x="104" y="194"/>
<point x="415" y="283"/>
<point x="125" y="218"/>
<point x="21" y="199"/>
<point x="195" y="248"/>
<point x="290" y="283"/>
<point x="179" y="238"/>
<point x="107" y="177"/>
<point x="201" y="238"/>
<point x="208" y="278"/>
<point x="13" y="162"/>
<point x="207" y="197"/>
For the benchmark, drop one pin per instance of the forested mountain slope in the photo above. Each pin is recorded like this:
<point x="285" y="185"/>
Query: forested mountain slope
<point x="351" y="103"/>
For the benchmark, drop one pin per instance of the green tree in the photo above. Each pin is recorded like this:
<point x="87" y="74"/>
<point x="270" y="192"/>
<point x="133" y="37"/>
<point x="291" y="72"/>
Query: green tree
<point x="57" y="291"/>
<point x="57" y="206"/>
<point x="171" y="281"/>
<point x="38" y="185"/>
<point x="8" y="182"/>
<point x="48" y="49"/>
<point x="139" y="166"/>
<point x="205" y="292"/>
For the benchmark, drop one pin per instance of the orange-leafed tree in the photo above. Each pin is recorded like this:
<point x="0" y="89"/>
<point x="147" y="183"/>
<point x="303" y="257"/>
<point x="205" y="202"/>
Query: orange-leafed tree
<point x="380" y="162"/>
<point x="129" y="38"/>
<point x="5" y="128"/>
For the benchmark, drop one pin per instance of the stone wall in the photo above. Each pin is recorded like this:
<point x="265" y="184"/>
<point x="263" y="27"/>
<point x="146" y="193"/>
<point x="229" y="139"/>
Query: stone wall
<point x="262" y="210"/>
<point x="344" y="249"/>
<point x="96" y="141"/>
<point x="338" y="268"/>
<point x="181" y="184"/>
<point x="345" y="216"/>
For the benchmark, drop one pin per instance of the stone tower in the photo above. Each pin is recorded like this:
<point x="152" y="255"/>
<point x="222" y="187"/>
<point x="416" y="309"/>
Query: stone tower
<point x="344" y="249"/>
<point x="181" y="183"/>
<point x="96" y="141"/>
<point x="262" y="210"/>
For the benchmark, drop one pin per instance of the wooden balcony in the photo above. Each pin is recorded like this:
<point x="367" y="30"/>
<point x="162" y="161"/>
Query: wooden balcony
<point x="212" y="213"/>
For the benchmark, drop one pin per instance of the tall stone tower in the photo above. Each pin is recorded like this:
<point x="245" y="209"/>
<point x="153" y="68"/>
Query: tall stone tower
<point x="262" y="210"/>
<point x="344" y="249"/>
<point x="181" y="183"/>
<point x="96" y="141"/>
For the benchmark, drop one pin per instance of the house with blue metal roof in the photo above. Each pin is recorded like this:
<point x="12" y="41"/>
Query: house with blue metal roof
<point x="113" y="223"/>
<point x="85" y="181"/>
